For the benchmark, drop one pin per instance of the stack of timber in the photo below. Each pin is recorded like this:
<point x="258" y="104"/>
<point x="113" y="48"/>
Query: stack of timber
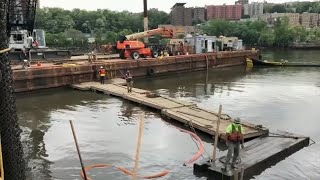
<point x="183" y="111"/>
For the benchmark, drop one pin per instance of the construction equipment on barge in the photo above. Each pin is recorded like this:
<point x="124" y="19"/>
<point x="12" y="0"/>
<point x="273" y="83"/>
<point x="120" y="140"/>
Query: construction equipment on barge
<point x="130" y="47"/>
<point x="25" y="41"/>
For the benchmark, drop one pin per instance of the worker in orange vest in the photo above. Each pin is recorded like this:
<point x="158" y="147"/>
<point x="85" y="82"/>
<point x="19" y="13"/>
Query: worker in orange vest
<point x="102" y="74"/>
<point x="234" y="136"/>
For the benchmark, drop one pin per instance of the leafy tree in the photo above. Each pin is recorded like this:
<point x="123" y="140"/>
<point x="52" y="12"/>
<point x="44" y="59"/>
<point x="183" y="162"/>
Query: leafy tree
<point x="283" y="34"/>
<point x="279" y="8"/>
<point x="267" y="38"/>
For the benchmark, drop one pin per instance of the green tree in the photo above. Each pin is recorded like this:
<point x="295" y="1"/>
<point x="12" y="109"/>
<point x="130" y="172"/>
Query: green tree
<point x="267" y="38"/>
<point x="283" y="34"/>
<point x="279" y="8"/>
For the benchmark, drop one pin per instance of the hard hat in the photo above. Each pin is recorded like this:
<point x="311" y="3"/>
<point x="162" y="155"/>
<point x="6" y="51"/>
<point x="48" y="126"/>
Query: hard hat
<point x="237" y="120"/>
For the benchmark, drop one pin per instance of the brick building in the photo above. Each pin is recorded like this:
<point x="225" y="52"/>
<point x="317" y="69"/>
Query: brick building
<point x="188" y="14"/>
<point x="227" y="12"/>
<point x="199" y="13"/>
<point x="182" y="16"/>
<point x="309" y="20"/>
<point x="177" y="14"/>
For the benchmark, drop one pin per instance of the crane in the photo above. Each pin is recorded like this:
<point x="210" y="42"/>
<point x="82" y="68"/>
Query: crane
<point x="130" y="46"/>
<point x="22" y="35"/>
<point x="20" y="23"/>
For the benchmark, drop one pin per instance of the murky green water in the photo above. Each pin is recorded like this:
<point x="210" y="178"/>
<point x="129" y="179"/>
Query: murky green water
<point x="107" y="128"/>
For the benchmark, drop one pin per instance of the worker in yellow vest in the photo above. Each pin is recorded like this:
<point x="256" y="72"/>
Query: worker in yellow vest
<point x="234" y="136"/>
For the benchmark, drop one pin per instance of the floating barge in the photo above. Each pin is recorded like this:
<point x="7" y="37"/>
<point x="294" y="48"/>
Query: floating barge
<point x="260" y="153"/>
<point x="57" y="74"/>
<point x="182" y="111"/>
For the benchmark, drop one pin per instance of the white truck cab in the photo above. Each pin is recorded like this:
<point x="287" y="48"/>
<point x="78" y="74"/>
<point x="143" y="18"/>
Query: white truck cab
<point x="20" y="39"/>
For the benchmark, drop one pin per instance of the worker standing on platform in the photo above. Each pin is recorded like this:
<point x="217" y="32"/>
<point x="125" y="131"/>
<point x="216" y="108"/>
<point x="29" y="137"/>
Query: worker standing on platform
<point x="102" y="74"/>
<point x="234" y="136"/>
<point x="129" y="81"/>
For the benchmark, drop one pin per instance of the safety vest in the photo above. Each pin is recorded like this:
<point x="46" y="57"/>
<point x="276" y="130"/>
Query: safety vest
<point x="103" y="72"/>
<point x="235" y="135"/>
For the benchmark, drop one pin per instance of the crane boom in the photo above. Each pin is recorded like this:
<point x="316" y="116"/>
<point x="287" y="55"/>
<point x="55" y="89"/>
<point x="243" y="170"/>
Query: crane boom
<point x="164" y="32"/>
<point x="21" y="15"/>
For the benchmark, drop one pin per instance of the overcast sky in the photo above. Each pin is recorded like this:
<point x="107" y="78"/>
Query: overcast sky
<point x="134" y="5"/>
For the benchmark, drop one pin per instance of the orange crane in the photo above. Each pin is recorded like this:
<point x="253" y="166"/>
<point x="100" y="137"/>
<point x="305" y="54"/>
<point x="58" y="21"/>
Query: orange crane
<point x="130" y="46"/>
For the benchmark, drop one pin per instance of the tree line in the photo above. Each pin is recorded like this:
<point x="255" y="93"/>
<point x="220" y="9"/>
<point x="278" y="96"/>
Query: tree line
<point x="258" y="33"/>
<point x="298" y="7"/>
<point x="65" y="28"/>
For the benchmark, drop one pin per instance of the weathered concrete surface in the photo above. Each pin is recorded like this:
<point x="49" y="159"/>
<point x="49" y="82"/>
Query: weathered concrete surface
<point x="50" y="75"/>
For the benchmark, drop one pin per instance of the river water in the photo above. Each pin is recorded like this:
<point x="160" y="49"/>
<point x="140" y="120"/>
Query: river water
<point x="107" y="127"/>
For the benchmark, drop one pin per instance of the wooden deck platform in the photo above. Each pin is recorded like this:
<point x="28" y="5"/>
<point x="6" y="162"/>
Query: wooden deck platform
<point x="257" y="155"/>
<point x="182" y="111"/>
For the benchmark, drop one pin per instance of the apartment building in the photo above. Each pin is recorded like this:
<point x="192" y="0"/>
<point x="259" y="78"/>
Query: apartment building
<point x="227" y="12"/>
<point x="182" y="16"/>
<point x="309" y="20"/>
<point x="199" y="13"/>
<point x="270" y="18"/>
<point x="254" y="9"/>
<point x="177" y="14"/>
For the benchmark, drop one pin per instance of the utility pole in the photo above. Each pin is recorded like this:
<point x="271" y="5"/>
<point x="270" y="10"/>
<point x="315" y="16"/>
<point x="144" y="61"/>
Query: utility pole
<point x="145" y="18"/>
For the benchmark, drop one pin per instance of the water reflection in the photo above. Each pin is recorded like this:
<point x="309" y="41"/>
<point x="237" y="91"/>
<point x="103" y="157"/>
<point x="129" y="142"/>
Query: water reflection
<point x="107" y="127"/>
<point x="305" y="163"/>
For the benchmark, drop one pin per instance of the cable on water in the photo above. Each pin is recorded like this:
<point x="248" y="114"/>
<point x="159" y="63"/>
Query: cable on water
<point x="288" y="136"/>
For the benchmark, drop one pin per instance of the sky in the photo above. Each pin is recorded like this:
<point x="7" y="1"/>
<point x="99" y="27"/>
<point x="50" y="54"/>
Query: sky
<point x="135" y="5"/>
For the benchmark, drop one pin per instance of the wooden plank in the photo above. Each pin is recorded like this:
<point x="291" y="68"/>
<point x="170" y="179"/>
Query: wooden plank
<point x="183" y="111"/>
<point x="257" y="155"/>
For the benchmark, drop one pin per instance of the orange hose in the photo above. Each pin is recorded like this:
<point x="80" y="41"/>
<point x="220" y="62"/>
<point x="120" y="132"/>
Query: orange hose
<point x="124" y="170"/>
<point x="161" y="174"/>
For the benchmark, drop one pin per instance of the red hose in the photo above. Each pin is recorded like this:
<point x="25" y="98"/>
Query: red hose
<point x="124" y="170"/>
<point x="161" y="174"/>
<point x="201" y="147"/>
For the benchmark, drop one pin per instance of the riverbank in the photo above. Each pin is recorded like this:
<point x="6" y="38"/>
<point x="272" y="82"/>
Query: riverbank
<point x="51" y="75"/>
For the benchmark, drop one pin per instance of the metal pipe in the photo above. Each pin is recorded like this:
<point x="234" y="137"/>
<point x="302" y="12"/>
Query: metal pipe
<point x="78" y="150"/>
<point x="145" y="18"/>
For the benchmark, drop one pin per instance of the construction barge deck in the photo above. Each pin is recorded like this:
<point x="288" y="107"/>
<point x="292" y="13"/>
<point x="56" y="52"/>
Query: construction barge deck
<point x="67" y="72"/>
<point x="260" y="153"/>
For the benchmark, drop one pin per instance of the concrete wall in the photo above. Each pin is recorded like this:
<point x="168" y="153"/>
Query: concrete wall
<point x="41" y="78"/>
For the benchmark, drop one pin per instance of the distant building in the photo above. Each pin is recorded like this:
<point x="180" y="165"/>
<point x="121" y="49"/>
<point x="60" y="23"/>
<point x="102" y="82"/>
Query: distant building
<point x="188" y="14"/>
<point x="182" y="16"/>
<point x="294" y="18"/>
<point x="254" y="9"/>
<point x="227" y="12"/>
<point x="177" y="14"/>
<point x="309" y="20"/>
<point x="199" y="13"/>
